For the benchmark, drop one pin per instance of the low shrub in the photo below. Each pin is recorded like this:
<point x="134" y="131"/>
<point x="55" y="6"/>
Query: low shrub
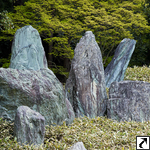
<point x="99" y="133"/>
<point x="138" y="73"/>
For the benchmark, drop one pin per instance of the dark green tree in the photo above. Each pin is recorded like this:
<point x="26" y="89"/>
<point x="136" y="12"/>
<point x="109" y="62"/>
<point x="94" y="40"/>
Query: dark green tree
<point x="61" y="24"/>
<point x="146" y="9"/>
<point x="6" y="5"/>
<point x="122" y="19"/>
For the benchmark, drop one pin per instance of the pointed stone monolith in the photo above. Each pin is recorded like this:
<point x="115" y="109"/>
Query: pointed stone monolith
<point x="116" y="68"/>
<point x="85" y="87"/>
<point x="27" y="50"/>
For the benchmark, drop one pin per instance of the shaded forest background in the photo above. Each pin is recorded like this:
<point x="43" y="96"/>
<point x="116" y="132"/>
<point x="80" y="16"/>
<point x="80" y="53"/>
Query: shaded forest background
<point x="61" y="24"/>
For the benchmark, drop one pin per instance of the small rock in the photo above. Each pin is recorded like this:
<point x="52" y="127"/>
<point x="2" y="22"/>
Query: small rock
<point x="77" y="146"/>
<point x="29" y="126"/>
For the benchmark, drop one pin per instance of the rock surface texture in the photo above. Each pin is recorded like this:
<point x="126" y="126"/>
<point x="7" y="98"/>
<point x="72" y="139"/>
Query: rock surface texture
<point x="77" y="146"/>
<point x="71" y="113"/>
<point x="129" y="100"/>
<point x="38" y="89"/>
<point x="29" y="126"/>
<point x="85" y="87"/>
<point x="27" y="50"/>
<point x="116" y="68"/>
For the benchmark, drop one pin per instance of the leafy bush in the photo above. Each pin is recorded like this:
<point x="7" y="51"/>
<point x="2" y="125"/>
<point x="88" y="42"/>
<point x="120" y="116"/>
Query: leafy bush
<point x="107" y="60"/>
<point x="99" y="133"/>
<point x="5" y="22"/>
<point x="138" y="73"/>
<point x="5" y="61"/>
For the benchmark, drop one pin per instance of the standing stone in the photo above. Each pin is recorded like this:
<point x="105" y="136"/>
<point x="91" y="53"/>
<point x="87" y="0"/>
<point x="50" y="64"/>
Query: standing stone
<point x="77" y="146"/>
<point x="85" y="87"/>
<point x="71" y="114"/>
<point x="29" y="126"/>
<point x="30" y="83"/>
<point x="116" y="68"/>
<point x="27" y="50"/>
<point x="129" y="100"/>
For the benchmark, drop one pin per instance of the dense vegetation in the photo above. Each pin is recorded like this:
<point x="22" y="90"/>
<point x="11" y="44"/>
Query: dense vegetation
<point x="62" y="23"/>
<point x="138" y="74"/>
<point x="99" y="133"/>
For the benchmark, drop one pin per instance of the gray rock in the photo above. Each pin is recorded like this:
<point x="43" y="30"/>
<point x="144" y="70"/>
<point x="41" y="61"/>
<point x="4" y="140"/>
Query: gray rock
<point x="27" y="50"/>
<point x="29" y="126"/>
<point x="71" y="113"/>
<point x="29" y="82"/>
<point x="116" y="68"/>
<point x="39" y="90"/>
<point x="129" y="100"/>
<point x="85" y="87"/>
<point x="77" y="146"/>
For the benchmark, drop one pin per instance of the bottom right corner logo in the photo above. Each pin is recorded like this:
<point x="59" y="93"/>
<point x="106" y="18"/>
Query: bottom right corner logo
<point x="143" y="142"/>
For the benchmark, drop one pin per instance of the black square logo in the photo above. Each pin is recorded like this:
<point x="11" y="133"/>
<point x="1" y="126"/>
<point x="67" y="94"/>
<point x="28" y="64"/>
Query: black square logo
<point x="143" y="142"/>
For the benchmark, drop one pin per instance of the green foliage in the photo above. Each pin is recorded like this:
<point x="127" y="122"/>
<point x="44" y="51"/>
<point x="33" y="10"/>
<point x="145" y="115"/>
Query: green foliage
<point x="53" y="21"/>
<point x="60" y="70"/>
<point x="62" y="23"/>
<point x="146" y="7"/>
<point x="5" y="61"/>
<point x="5" y="22"/>
<point x="6" y="5"/>
<point x="146" y="10"/>
<point x="107" y="60"/>
<point x="122" y="19"/>
<point x="6" y="136"/>
<point x="138" y="73"/>
<point x="96" y="133"/>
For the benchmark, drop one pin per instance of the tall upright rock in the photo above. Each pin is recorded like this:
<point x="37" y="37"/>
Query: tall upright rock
<point x="29" y="82"/>
<point x="85" y="87"/>
<point x="27" y="50"/>
<point x="116" y="68"/>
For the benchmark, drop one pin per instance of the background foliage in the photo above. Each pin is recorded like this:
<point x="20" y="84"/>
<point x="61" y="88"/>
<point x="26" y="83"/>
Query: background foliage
<point x="62" y="23"/>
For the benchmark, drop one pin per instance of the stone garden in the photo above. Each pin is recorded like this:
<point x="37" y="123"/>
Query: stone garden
<point x="31" y="96"/>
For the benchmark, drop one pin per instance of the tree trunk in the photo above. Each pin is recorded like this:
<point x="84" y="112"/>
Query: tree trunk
<point x="50" y="57"/>
<point x="66" y="64"/>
